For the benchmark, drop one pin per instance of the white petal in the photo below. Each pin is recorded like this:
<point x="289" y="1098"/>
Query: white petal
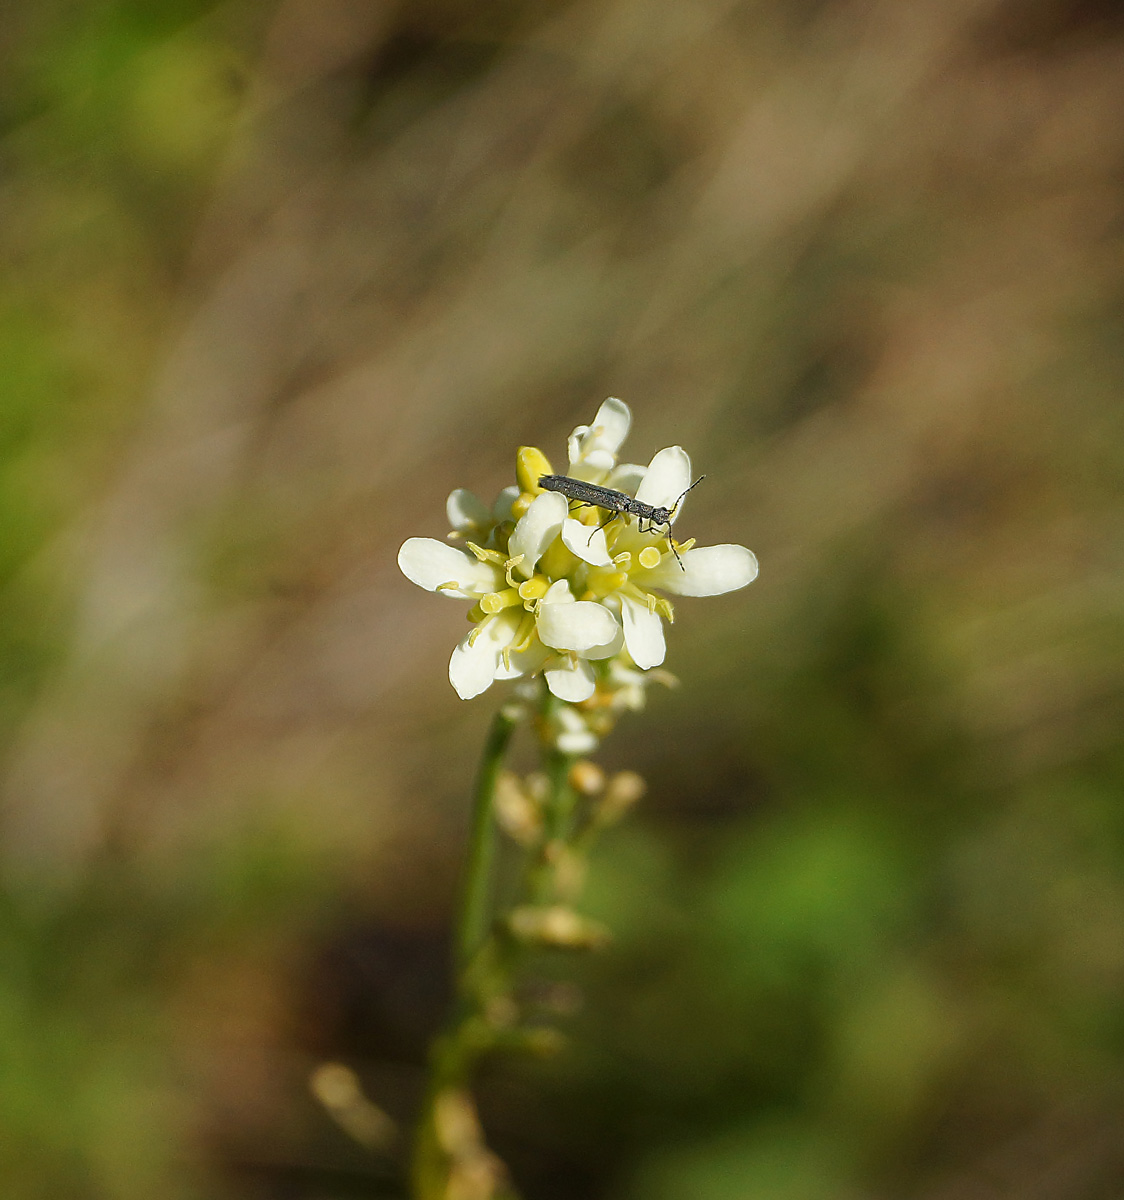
<point x="526" y="662"/>
<point x="466" y="511"/>
<point x="559" y="593"/>
<point x="626" y="477"/>
<point x="571" y="681"/>
<point x="430" y="563"/>
<point x="587" y="543"/>
<point x="643" y="633"/>
<point x="595" y="465"/>
<point x="574" y="444"/>
<point x="609" y="648"/>
<point x="473" y="667"/>
<point x="579" y="626"/>
<point x="599" y="443"/>
<point x="707" y="571"/>
<point x="501" y="510"/>
<point x="667" y="478"/>
<point x="612" y="423"/>
<point x="574" y="736"/>
<point x="536" y="529"/>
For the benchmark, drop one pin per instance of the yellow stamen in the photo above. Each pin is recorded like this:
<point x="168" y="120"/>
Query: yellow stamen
<point x="623" y="560"/>
<point x="534" y="588"/>
<point x="650" y="557"/>
<point x="663" y="605"/>
<point x="477" y="631"/>
<point x="523" y="634"/>
<point x="683" y="547"/>
<point x="507" y="569"/>
<point x="450" y="585"/>
<point x="495" y="602"/>
<point x="492" y="556"/>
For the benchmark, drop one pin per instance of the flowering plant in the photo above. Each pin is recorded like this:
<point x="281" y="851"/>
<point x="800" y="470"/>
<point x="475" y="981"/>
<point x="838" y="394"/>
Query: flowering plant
<point x="572" y="604"/>
<point x="553" y="596"/>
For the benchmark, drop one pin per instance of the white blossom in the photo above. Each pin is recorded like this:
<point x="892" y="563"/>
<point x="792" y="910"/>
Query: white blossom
<point x="574" y="594"/>
<point x="593" y="448"/>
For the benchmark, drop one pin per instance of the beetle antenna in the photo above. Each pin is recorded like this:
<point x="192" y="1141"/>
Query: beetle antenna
<point x="671" y="513"/>
<point x="693" y="485"/>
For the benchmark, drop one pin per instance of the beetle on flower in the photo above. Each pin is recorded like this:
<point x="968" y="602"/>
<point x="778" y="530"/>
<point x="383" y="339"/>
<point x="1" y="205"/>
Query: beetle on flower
<point x="551" y="596"/>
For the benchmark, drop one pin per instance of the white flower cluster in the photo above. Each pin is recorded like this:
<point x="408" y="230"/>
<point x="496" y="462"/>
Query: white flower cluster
<point x="554" y="594"/>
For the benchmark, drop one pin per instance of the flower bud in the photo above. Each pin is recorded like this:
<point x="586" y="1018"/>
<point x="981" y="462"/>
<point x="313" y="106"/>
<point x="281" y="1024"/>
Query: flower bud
<point x="586" y="777"/>
<point x="556" y="925"/>
<point x="625" y="789"/>
<point x="530" y="465"/>
<point x="518" y="815"/>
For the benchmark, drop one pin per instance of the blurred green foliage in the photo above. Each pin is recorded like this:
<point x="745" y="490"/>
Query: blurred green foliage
<point x="276" y="277"/>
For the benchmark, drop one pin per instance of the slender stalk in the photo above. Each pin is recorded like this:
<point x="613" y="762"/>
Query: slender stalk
<point x="476" y="889"/>
<point x="452" y="1054"/>
<point x="486" y="960"/>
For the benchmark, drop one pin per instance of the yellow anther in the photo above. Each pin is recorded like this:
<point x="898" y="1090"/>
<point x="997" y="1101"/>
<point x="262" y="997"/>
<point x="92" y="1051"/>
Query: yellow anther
<point x="623" y="560"/>
<point x="651" y="601"/>
<point x="683" y="547"/>
<point x="508" y="566"/>
<point x="521" y="503"/>
<point x="495" y="602"/>
<point x="534" y="588"/>
<point x="492" y="556"/>
<point x="523" y="634"/>
<point x="450" y="585"/>
<point x="530" y="465"/>
<point x="663" y="605"/>
<point x="650" y="557"/>
<point x="477" y="632"/>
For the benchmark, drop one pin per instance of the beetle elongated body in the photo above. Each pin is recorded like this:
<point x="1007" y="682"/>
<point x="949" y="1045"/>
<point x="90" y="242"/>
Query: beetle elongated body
<point x="617" y="503"/>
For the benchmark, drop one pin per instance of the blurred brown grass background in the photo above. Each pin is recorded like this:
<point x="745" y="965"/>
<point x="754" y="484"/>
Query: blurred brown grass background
<point x="280" y="275"/>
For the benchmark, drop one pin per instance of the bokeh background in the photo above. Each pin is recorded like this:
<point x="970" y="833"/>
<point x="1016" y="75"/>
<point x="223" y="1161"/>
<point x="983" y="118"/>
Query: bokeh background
<point x="279" y="275"/>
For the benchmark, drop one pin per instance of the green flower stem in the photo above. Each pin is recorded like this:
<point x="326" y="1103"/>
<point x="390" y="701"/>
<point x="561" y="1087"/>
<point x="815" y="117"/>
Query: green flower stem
<point x="557" y="819"/>
<point x="456" y="1048"/>
<point x="476" y="893"/>
<point x="486" y="955"/>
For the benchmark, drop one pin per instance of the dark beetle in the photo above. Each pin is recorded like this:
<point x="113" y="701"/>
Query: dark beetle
<point x="617" y="503"/>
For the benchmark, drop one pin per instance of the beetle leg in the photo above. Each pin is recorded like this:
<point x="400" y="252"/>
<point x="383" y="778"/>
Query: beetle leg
<point x="605" y="524"/>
